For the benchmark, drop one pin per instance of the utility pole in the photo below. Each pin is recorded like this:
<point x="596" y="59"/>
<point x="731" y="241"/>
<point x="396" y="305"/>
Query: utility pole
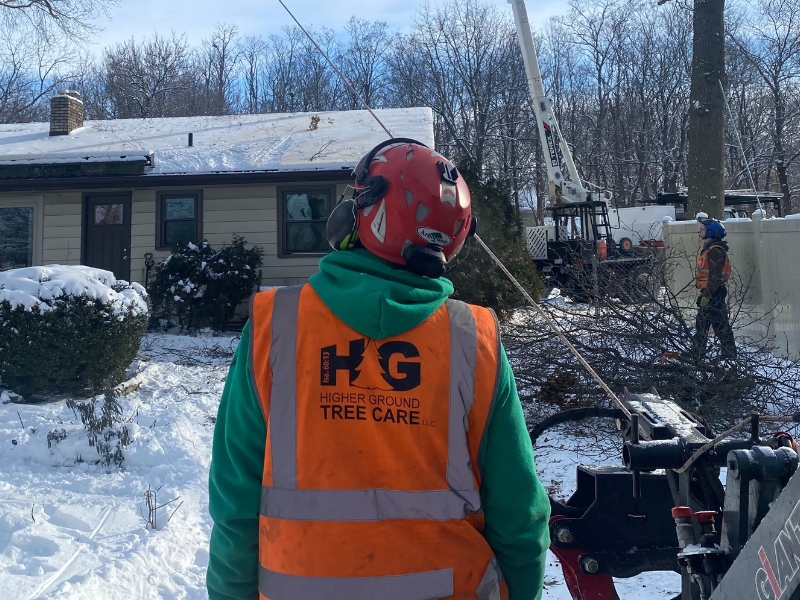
<point x="706" y="159"/>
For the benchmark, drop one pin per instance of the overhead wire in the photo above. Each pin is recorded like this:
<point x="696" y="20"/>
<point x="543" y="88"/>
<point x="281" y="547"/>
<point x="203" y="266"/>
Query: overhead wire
<point x="339" y="73"/>
<point x="741" y="148"/>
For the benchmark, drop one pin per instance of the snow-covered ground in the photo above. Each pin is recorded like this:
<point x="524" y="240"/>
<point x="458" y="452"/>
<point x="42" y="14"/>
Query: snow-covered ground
<point x="70" y="529"/>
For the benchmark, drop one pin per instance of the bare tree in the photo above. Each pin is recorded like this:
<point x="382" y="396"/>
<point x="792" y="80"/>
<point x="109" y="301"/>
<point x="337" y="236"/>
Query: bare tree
<point x="31" y="68"/>
<point x="706" y="159"/>
<point x="362" y="59"/>
<point x="252" y="65"/>
<point x="601" y="30"/>
<point x="295" y="76"/>
<point x="90" y="80"/>
<point x="457" y="59"/>
<point x="770" y="41"/>
<point x="74" y="18"/>
<point x="282" y="64"/>
<point x="151" y="79"/>
<point x="316" y="84"/>
<point x="217" y="62"/>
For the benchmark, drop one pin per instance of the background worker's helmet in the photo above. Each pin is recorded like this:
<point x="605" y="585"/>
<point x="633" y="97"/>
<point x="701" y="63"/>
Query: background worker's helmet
<point x="410" y="207"/>
<point x="714" y="229"/>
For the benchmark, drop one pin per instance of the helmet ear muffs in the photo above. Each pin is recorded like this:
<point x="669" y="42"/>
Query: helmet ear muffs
<point x="428" y="261"/>
<point x="342" y="227"/>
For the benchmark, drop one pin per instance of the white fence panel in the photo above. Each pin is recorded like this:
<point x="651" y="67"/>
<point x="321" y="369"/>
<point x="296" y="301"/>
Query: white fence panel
<point x="765" y="257"/>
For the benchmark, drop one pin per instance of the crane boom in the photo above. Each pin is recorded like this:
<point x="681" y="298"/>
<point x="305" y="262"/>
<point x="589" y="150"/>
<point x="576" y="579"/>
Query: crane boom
<point x="569" y="189"/>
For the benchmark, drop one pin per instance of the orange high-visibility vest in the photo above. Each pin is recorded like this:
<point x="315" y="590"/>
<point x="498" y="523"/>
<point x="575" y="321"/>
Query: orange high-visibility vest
<point x="701" y="280"/>
<point x="371" y="476"/>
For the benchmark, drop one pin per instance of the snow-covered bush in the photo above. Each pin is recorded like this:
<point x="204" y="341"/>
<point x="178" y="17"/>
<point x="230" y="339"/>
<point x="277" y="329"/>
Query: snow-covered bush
<point x="198" y="286"/>
<point x="67" y="328"/>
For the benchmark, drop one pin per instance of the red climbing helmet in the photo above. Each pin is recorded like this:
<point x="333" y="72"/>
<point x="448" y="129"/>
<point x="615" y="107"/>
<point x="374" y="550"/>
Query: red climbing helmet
<point x="411" y="203"/>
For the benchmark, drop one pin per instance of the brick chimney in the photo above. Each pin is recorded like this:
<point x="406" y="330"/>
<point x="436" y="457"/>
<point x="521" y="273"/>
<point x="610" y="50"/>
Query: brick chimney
<point x="66" y="112"/>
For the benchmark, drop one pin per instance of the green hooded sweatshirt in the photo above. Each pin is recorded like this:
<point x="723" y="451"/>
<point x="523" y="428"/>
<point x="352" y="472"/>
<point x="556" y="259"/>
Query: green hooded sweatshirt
<point x="378" y="300"/>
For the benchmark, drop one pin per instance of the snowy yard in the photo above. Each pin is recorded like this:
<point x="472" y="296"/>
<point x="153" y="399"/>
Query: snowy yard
<point x="70" y="529"/>
<point x="74" y="530"/>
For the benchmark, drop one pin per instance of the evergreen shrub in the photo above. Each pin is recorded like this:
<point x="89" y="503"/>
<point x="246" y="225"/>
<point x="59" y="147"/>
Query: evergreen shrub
<point x="199" y="287"/>
<point x="66" y="329"/>
<point x="476" y="278"/>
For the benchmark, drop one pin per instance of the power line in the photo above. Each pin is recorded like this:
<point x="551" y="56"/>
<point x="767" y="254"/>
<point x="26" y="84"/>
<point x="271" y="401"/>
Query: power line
<point x="333" y="66"/>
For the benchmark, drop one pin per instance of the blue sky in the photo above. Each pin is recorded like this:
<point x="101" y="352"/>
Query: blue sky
<point x="197" y="18"/>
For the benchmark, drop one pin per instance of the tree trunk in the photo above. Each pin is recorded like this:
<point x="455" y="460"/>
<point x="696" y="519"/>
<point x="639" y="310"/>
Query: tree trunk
<point x="706" y="173"/>
<point x="780" y="153"/>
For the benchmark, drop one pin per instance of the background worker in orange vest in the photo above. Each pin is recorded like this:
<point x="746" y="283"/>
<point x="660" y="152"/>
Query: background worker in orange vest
<point x="370" y="443"/>
<point x="713" y="272"/>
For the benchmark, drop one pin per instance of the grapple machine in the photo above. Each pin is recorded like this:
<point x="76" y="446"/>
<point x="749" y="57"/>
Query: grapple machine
<point x="667" y="509"/>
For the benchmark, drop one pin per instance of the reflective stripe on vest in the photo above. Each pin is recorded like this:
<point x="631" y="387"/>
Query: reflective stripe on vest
<point x="408" y="531"/>
<point x="415" y="586"/>
<point x="703" y="270"/>
<point x="283" y="399"/>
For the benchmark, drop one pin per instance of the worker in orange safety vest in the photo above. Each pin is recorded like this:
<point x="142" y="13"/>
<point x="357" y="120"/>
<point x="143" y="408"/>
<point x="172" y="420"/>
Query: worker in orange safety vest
<point x="370" y="443"/>
<point x="712" y="275"/>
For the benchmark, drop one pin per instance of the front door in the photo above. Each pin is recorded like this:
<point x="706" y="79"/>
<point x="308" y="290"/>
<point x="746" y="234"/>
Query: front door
<point x="108" y="233"/>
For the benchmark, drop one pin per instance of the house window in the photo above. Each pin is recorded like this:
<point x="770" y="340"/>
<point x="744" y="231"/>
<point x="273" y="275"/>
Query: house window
<point x="179" y="219"/>
<point x="108" y="214"/>
<point x="16" y="237"/>
<point x="303" y="214"/>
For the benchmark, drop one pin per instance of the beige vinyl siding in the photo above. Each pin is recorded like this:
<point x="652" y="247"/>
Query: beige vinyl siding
<point x="143" y="233"/>
<point x="61" y="236"/>
<point x="252" y="212"/>
<point x="249" y="211"/>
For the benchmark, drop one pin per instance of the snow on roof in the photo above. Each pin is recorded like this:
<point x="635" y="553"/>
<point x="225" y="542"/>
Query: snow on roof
<point x="270" y="142"/>
<point x="46" y="286"/>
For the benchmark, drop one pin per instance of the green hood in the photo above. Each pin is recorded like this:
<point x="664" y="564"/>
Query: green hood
<point x="374" y="297"/>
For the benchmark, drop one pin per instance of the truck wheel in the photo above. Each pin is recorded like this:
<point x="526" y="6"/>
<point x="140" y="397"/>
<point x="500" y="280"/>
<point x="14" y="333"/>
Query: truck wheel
<point x="626" y="245"/>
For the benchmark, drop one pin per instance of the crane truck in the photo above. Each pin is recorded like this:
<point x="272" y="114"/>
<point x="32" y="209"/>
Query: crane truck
<point x="666" y="507"/>
<point x="578" y="252"/>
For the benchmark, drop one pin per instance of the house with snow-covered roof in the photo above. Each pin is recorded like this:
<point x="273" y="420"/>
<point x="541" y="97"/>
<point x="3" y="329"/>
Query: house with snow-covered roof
<point x="107" y="193"/>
